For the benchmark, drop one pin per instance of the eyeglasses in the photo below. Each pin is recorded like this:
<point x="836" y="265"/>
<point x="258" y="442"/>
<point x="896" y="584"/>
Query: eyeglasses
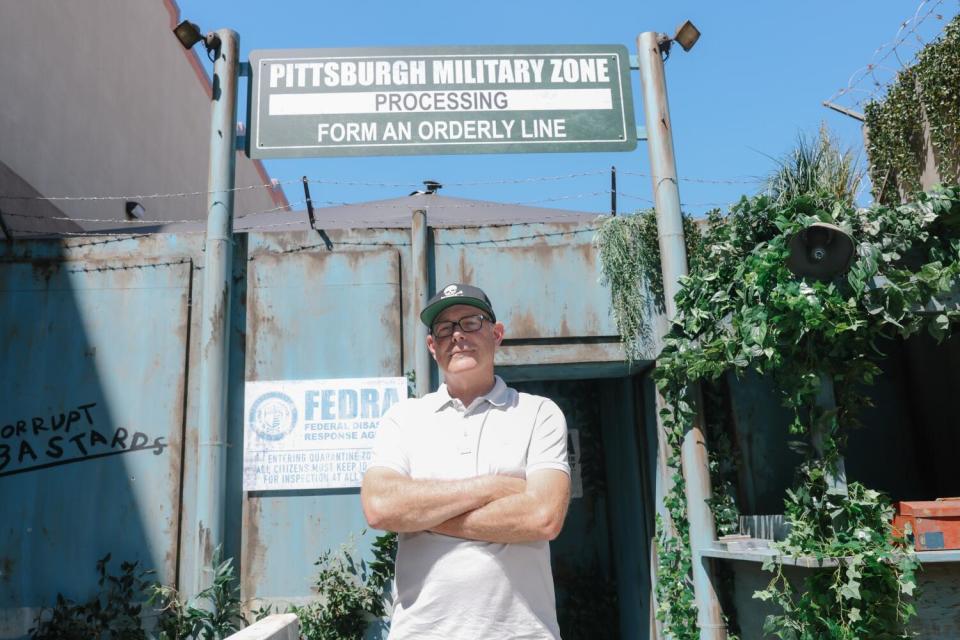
<point x="468" y="324"/>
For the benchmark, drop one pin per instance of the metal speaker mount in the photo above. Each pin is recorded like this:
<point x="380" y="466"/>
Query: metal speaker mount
<point x="821" y="251"/>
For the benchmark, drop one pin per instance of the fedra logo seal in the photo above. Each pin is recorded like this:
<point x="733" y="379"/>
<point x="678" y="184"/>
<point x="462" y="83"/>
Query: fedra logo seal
<point x="273" y="415"/>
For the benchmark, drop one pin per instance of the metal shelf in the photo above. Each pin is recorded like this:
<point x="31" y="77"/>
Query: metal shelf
<point x="810" y="562"/>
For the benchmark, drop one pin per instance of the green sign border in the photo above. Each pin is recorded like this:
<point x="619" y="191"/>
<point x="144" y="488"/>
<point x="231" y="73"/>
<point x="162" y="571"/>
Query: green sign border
<point x="618" y="120"/>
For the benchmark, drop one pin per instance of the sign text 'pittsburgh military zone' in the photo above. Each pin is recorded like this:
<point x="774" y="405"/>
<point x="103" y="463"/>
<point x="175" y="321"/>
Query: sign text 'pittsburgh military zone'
<point x="492" y="99"/>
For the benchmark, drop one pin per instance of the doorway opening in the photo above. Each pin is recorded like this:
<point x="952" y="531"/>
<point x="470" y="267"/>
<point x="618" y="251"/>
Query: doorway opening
<point x="601" y="559"/>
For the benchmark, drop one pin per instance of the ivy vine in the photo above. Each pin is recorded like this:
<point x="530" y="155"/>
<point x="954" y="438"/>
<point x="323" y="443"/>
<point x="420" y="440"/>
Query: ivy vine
<point x="630" y="266"/>
<point x="741" y="309"/>
<point x="926" y="94"/>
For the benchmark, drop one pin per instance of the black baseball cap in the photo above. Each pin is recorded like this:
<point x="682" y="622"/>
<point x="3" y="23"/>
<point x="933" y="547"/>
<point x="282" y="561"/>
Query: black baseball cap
<point x="456" y="293"/>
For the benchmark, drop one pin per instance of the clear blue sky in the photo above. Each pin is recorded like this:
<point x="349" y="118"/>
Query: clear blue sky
<point x="755" y="81"/>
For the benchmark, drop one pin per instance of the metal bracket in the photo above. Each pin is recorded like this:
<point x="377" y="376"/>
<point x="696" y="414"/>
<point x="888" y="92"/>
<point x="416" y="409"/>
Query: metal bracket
<point x="641" y="133"/>
<point x="3" y="227"/>
<point x="244" y="70"/>
<point x="323" y="234"/>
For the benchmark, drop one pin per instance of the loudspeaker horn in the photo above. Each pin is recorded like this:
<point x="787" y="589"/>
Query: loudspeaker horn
<point x="821" y="251"/>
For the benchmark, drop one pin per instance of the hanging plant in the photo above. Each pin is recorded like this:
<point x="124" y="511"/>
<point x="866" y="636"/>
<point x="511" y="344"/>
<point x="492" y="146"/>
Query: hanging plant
<point x="938" y="79"/>
<point x="742" y="309"/>
<point x="630" y="266"/>
<point x="926" y="94"/>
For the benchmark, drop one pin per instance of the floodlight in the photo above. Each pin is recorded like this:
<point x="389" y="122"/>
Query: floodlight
<point x="188" y="34"/>
<point x="687" y="35"/>
<point x="134" y="210"/>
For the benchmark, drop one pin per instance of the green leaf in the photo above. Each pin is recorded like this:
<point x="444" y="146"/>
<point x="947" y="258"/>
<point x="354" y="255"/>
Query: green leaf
<point x="907" y="587"/>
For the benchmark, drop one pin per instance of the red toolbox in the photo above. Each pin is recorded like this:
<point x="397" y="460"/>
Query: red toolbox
<point x="934" y="524"/>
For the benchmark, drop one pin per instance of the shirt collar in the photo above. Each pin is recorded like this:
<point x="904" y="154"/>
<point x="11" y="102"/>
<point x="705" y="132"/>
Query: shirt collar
<point x="497" y="396"/>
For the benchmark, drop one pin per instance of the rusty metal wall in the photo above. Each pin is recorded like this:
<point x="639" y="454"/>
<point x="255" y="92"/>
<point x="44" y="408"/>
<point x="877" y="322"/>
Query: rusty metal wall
<point x="108" y="322"/>
<point x="94" y="353"/>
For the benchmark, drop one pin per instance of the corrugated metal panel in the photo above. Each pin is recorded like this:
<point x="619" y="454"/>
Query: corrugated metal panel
<point x="543" y="279"/>
<point x="90" y="436"/>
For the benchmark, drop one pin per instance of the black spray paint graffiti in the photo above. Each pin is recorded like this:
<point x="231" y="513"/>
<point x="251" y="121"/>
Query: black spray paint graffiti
<point x="22" y="441"/>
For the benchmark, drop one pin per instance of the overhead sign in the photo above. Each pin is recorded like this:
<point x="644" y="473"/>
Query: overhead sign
<point x="440" y="100"/>
<point x="313" y="434"/>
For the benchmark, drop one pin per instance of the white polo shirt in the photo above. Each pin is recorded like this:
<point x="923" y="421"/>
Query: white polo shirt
<point x="448" y="588"/>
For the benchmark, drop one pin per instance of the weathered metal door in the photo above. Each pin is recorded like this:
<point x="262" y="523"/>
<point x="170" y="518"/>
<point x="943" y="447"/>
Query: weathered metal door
<point x="312" y="314"/>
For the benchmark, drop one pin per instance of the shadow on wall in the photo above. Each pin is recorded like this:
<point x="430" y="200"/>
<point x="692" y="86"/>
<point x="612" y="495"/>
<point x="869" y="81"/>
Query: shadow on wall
<point x="92" y="420"/>
<point x="905" y="448"/>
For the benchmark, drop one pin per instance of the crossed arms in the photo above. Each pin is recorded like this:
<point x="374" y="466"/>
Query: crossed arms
<point x="489" y="508"/>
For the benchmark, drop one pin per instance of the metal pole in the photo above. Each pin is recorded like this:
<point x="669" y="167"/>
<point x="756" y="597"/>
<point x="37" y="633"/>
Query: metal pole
<point x="826" y="401"/>
<point x="613" y="191"/>
<point x="673" y="256"/>
<point x="421" y="294"/>
<point x="214" y="321"/>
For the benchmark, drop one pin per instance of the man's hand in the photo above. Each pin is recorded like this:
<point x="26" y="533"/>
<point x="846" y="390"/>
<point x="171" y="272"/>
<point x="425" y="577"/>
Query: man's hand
<point x="393" y="501"/>
<point x="535" y="514"/>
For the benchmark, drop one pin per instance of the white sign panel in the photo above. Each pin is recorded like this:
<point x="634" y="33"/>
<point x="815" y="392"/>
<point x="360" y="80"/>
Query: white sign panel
<point x="313" y="434"/>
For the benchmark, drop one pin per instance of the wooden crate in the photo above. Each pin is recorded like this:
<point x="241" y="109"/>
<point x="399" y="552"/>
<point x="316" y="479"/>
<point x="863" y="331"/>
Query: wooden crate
<point x="933" y="524"/>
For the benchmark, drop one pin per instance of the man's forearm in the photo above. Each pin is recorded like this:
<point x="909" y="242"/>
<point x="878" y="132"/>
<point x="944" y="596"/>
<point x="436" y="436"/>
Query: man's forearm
<point x="516" y="518"/>
<point x="401" y="504"/>
<point x="536" y="514"/>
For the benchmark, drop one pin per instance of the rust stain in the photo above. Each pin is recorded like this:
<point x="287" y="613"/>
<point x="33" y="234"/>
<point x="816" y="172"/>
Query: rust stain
<point x="290" y="240"/>
<point x="593" y="326"/>
<point x="522" y="325"/>
<point x="251" y="568"/>
<point x="174" y="481"/>
<point x="543" y="255"/>
<point x="6" y="568"/>
<point x="466" y="269"/>
<point x="206" y="546"/>
<point x="262" y="326"/>
<point x="253" y="330"/>
<point x="355" y="259"/>
<point x="45" y="268"/>
<point x="586" y="251"/>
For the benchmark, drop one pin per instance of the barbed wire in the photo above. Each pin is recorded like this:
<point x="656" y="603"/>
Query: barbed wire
<point x="300" y="220"/>
<point x="495" y="241"/>
<point x="548" y="234"/>
<point x="631" y="196"/>
<point x="128" y="267"/>
<point x="151" y="196"/>
<point x="569" y="176"/>
<point x="907" y="30"/>
<point x="744" y="180"/>
<point x="55" y="232"/>
<point x="124" y="222"/>
<point x="477" y="183"/>
<point x="351" y="183"/>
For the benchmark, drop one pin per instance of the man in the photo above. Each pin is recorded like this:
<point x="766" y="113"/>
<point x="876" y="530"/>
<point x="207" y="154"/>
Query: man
<point x="475" y="479"/>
